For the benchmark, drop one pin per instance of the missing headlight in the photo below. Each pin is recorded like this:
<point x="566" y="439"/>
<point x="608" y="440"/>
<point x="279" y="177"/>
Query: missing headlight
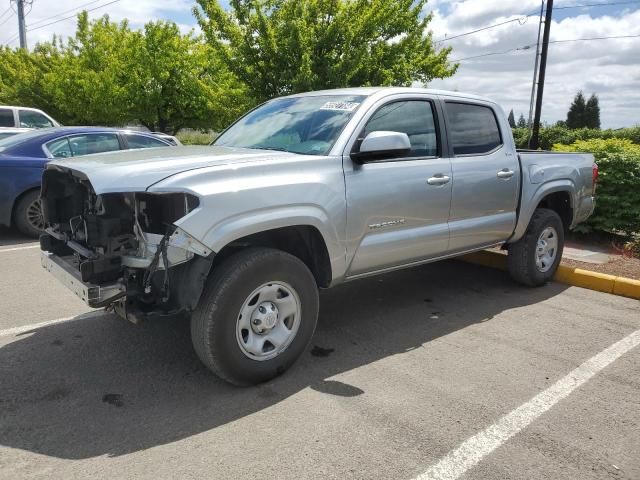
<point x="158" y="211"/>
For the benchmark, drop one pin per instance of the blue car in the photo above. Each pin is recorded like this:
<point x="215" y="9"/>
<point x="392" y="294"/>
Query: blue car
<point x="23" y="157"/>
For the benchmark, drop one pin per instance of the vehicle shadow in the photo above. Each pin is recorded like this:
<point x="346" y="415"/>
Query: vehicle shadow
<point x="101" y="386"/>
<point x="10" y="237"/>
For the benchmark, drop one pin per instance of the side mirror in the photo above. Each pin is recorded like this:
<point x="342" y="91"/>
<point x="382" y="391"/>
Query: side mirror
<point x="381" y="145"/>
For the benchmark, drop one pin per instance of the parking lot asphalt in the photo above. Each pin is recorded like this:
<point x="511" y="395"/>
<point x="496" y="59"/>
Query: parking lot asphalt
<point x="404" y="371"/>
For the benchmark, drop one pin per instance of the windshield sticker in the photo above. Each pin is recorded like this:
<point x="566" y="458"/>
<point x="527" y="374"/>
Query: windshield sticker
<point x="340" y="106"/>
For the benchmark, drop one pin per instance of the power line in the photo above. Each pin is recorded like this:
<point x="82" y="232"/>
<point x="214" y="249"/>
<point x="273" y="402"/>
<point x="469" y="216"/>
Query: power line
<point x="11" y="39"/>
<point x="8" y="18"/>
<point x="527" y="47"/>
<point x="594" y="38"/>
<point x="597" y="5"/>
<point x="522" y="19"/>
<point x="6" y="11"/>
<point x="524" y="47"/>
<point x="74" y="9"/>
<point x="71" y="16"/>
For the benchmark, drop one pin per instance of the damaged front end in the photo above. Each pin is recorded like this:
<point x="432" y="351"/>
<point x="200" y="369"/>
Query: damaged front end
<point x="122" y="250"/>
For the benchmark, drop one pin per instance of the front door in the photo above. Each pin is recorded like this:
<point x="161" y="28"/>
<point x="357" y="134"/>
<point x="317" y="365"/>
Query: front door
<point x="398" y="207"/>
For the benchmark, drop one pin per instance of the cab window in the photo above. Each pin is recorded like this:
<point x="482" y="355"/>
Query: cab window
<point x="31" y="119"/>
<point x="6" y="118"/>
<point x="473" y="129"/>
<point x="413" y="117"/>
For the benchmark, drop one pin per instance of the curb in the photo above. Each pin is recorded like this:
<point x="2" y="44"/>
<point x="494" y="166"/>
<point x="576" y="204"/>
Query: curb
<point x="601" y="282"/>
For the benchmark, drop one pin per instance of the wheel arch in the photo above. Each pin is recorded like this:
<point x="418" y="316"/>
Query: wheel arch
<point x="560" y="202"/>
<point x="17" y="200"/>
<point x="303" y="241"/>
<point x="559" y="196"/>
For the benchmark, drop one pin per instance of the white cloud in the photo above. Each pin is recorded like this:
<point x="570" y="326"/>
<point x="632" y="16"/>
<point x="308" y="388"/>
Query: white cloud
<point x="609" y="68"/>
<point x="137" y="12"/>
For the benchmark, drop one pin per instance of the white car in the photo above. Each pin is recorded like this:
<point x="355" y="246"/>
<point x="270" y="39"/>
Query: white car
<point x="24" y="117"/>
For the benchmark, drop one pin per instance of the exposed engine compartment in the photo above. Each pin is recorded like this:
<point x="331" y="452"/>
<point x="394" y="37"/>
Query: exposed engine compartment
<point x="128" y="238"/>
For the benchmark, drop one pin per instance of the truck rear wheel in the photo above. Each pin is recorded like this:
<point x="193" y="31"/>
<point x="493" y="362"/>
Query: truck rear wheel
<point x="256" y="315"/>
<point x="534" y="259"/>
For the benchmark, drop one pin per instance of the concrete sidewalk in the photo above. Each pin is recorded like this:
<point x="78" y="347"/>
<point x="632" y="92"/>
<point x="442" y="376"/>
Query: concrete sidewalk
<point x="589" y="253"/>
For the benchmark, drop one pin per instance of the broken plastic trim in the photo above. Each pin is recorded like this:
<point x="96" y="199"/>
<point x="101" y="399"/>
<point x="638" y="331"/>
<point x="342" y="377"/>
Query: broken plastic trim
<point x="181" y="239"/>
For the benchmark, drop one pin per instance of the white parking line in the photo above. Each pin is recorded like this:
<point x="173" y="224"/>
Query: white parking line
<point x="458" y="461"/>
<point x="34" y="326"/>
<point x="15" y="249"/>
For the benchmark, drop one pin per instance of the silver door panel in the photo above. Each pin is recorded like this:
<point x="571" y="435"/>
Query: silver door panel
<point x="394" y="216"/>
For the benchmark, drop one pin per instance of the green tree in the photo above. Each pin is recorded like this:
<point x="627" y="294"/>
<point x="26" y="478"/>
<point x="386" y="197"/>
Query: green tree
<point x="89" y="83"/>
<point x="512" y="119"/>
<point x="22" y="76"/>
<point x="522" y="123"/>
<point x="176" y="81"/>
<point x="279" y="47"/>
<point x="592" y="112"/>
<point x="157" y="76"/>
<point x="576" y="115"/>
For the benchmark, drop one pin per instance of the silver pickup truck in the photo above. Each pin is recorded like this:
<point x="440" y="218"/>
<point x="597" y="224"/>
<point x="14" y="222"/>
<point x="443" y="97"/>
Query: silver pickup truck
<point x="304" y="192"/>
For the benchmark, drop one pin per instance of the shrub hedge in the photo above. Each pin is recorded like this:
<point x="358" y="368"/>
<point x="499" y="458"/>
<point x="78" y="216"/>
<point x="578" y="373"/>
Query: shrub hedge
<point x="618" y="191"/>
<point x="549" y="136"/>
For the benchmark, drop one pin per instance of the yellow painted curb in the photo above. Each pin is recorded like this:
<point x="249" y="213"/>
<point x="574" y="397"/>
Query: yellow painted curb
<point x="601" y="282"/>
<point x="627" y="287"/>
<point x="578" y="277"/>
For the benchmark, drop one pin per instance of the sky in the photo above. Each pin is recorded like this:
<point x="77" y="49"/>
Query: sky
<point x="608" y="68"/>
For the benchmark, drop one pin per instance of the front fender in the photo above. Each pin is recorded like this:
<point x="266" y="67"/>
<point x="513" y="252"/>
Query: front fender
<point x="247" y="223"/>
<point x="533" y="194"/>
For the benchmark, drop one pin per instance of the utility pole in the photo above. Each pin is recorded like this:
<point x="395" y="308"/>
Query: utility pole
<point x="21" y="26"/>
<point x="534" y="141"/>
<point x="534" y="80"/>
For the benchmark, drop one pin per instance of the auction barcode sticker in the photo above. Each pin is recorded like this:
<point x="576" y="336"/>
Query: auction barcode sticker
<point x="340" y="106"/>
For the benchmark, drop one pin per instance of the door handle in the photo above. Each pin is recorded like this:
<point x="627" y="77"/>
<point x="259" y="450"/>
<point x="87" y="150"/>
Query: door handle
<point x="505" y="173"/>
<point x="438" y="179"/>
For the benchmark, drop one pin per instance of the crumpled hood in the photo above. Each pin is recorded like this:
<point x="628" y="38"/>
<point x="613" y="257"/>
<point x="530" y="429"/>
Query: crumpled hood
<point x="137" y="170"/>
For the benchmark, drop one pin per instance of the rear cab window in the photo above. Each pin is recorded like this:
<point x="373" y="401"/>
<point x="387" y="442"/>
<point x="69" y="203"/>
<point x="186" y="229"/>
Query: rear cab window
<point x="473" y="129"/>
<point x="6" y="117"/>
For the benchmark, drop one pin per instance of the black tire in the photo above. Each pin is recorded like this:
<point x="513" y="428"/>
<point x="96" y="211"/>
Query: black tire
<point x="521" y="261"/>
<point x="213" y="323"/>
<point x="23" y="214"/>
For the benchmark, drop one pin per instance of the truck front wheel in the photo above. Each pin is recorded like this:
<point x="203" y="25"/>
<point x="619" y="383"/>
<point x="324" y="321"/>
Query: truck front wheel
<point x="256" y="315"/>
<point x="534" y="259"/>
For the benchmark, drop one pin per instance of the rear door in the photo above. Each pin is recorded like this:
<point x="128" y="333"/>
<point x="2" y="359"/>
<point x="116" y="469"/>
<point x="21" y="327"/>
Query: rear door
<point x="397" y="208"/>
<point x="486" y="176"/>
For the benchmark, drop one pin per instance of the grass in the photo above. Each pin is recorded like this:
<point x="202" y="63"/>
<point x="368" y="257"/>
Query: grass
<point x="195" y="137"/>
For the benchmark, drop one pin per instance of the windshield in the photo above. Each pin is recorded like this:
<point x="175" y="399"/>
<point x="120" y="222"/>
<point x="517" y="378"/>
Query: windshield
<point x="308" y="125"/>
